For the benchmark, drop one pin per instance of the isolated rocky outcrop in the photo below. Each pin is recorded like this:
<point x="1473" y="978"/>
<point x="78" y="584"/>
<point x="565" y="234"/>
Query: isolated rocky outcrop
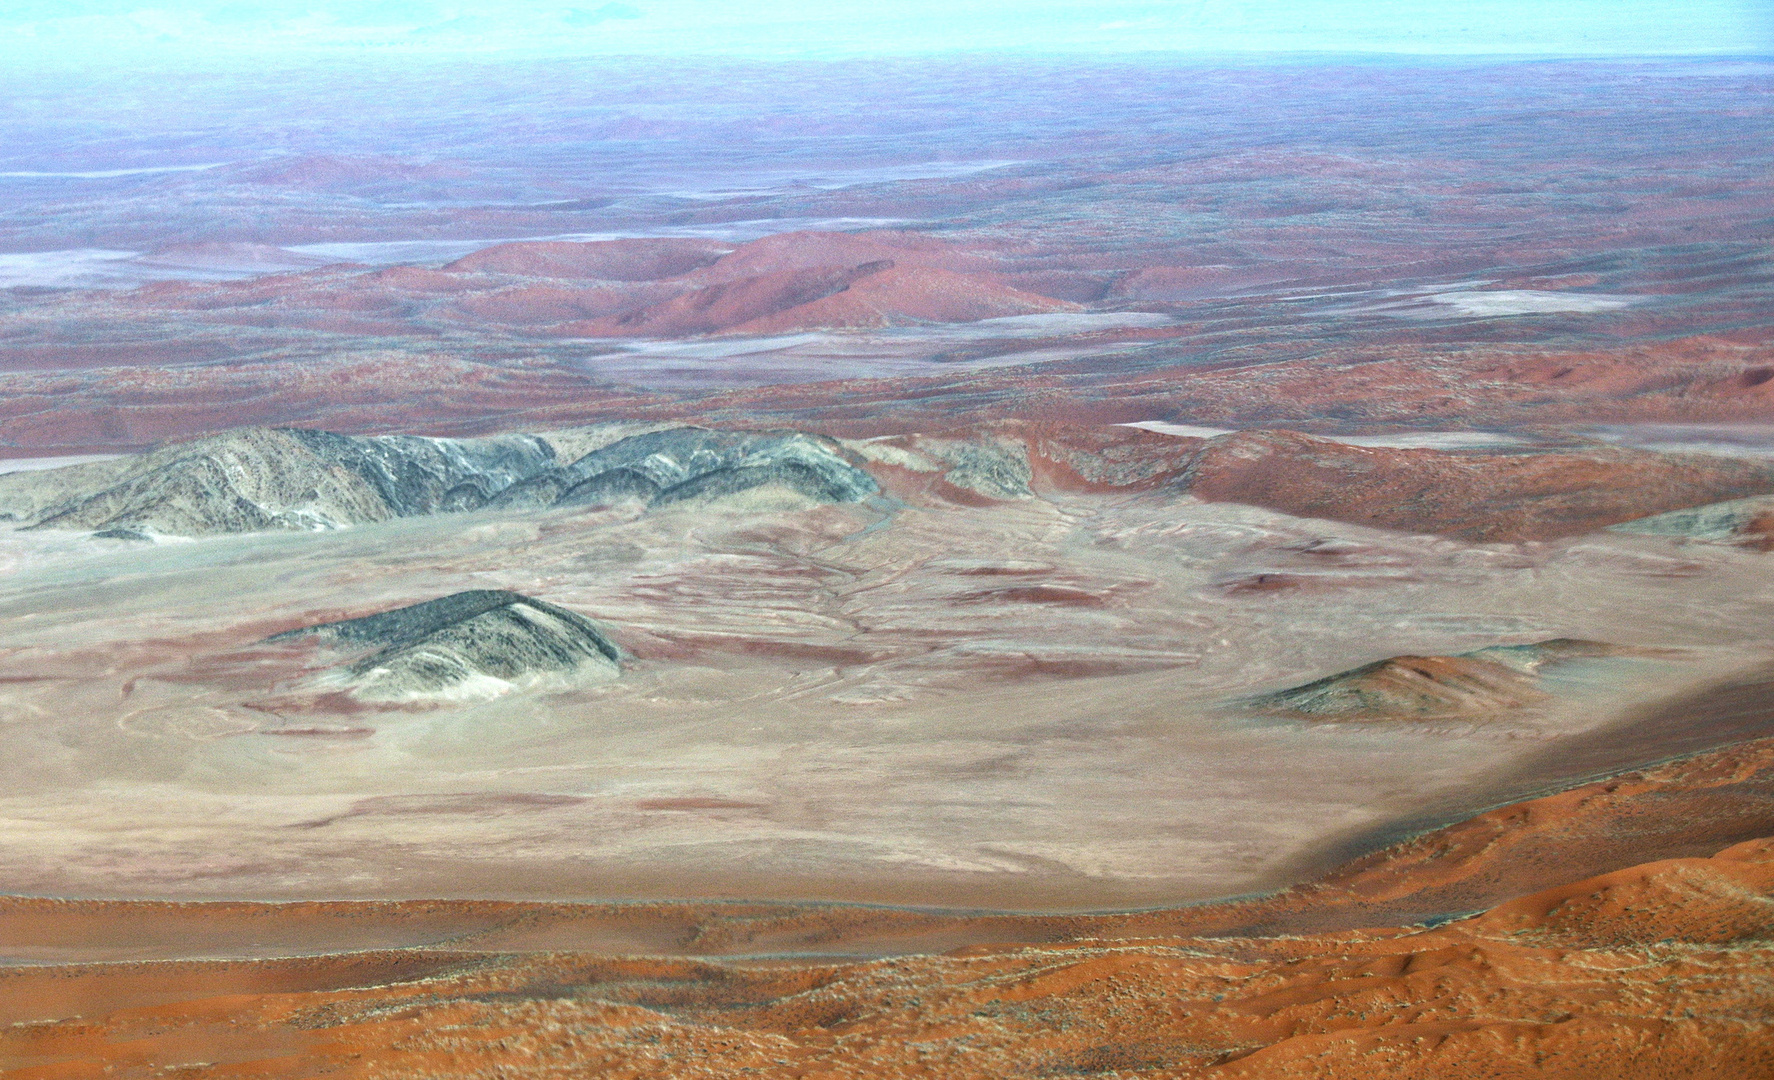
<point x="1491" y="680"/>
<point x="259" y="479"/>
<point x="476" y="644"/>
<point x="1743" y="522"/>
<point x="980" y="469"/>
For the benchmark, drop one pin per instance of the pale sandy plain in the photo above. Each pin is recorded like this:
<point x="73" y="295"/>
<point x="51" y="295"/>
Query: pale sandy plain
<point x="1019" y="705"/>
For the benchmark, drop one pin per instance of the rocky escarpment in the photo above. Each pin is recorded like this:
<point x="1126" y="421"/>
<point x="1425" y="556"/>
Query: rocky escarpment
<point x="258" y="479"/>
<point x="1485" y="681"/>
<point x="475" y="644"/>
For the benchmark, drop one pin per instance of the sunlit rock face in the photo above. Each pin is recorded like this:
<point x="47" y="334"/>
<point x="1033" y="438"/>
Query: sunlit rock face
<point x="257" y="479"/>
<point x="476" y="644"/>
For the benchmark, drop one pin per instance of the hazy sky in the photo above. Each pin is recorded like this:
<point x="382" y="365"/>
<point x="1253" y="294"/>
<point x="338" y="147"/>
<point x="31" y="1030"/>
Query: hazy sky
<point x="70" y="30"/>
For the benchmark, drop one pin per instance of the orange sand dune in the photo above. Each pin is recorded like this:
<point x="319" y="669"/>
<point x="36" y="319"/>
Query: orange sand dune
<point x="1629" y="929"/>
<point x="1650" y="972"/>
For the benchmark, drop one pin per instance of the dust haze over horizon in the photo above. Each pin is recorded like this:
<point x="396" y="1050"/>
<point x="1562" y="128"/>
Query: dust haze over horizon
<point x="62" y="33"/>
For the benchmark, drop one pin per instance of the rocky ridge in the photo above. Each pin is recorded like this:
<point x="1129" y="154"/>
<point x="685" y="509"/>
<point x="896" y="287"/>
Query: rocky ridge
<point x="256" y="479"/>
<point x="683" y="464"/>
<point x="259" y="479"/>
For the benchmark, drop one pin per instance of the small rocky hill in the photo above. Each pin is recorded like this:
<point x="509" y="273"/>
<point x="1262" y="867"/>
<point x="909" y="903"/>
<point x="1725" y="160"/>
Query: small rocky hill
<point x="474" y="644"/>
<point x="1743" y="522"/>
<point x="1482" y="682"/>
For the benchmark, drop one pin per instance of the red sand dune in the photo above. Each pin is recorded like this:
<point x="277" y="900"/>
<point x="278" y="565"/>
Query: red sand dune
<point x="418" y="279"/>
<point x="545" y="305"/>
<point x="604" y="260"/>
<point x="122" y="385"/>
<point x="657" y="288"/>
<point x="897" y="295"/>
<point x="874" y="294"/>
<point x="810" y="250"/>
<point x="725" y="306"/>
<point x="1693" y="378"/>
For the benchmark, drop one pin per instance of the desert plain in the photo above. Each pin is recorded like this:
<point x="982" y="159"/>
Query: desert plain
<point x="1171" y="572"/>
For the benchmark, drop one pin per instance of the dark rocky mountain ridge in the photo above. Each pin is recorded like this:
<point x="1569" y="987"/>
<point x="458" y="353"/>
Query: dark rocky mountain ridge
<point x="680" y="464"/>
<point x="258" y="479"/>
